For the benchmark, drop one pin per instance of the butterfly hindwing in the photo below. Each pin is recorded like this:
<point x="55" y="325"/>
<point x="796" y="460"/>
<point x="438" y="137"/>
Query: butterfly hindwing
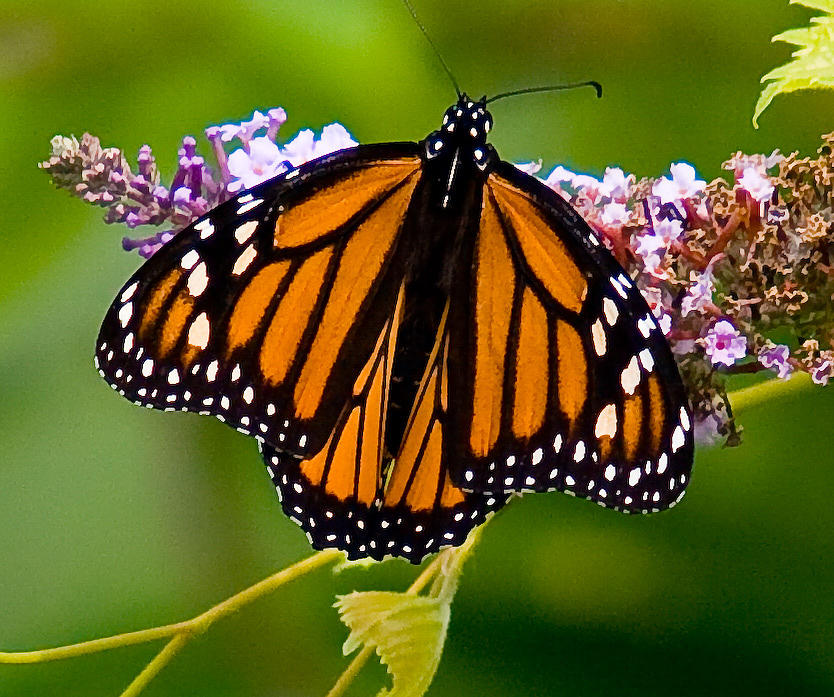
<point x="567" y="381"/>
<point x="348" y="495"/>
<point x="263" y="312"/>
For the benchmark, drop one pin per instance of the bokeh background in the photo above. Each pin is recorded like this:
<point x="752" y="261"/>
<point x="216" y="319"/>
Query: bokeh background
<point x="115" y="518"/>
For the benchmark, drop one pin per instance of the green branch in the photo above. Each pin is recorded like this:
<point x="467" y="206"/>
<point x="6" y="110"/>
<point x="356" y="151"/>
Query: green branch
<point x="180" y="633"/>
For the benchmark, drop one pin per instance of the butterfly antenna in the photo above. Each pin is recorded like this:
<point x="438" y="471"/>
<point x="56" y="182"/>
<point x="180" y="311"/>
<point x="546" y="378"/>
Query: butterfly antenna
<point x="417" y="21"/>
<point x="549" y="88"/>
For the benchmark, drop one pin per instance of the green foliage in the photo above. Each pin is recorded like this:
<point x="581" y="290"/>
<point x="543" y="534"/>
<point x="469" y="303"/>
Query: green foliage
<point x="812" y="66"/>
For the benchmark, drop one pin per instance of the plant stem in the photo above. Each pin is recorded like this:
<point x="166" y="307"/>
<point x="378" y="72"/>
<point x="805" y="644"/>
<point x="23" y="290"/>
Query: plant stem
<point x="751" y="397"/>
<point x="162" y="659"/>
<point x="347" y="677"/>
<point x="181" y="630"/>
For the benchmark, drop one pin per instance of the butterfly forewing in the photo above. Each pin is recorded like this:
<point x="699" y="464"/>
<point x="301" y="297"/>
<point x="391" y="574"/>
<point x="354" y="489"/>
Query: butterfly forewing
<point x="571" y="385"/>
<point x="263" y="312"/>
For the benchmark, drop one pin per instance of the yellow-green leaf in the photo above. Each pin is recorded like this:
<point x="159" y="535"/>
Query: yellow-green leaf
<point x="407" y="632"/>
<point x="812" y="65"/>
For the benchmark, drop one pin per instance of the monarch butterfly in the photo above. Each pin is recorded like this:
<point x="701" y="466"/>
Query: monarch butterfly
<point x="412" y="332"/>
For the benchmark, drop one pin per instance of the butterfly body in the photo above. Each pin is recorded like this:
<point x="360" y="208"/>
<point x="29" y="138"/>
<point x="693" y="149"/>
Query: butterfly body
<point x="413" y="332"/>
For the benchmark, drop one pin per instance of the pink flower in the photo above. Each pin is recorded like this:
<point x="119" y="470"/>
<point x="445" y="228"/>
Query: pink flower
<point x="305" y="147"/>
<point x="756" y="184"/>
<point x="668" y="230"/>
<point x="557" y="176"/>
<point x="724" y="343"/>
<point x="615" y="183"/>
<point x="683" y="184"/>
<point x="821" y="371"/>
<point x="530" y="168"/>
<point x="657" y="304"/>
<point x="615" y="214"/>
<point x="261" y="161"/>
<point x="699" y="294"/>
<point x="588" y="183"/>
<point x="651" y="249"/>
<point x="775" y="357"/>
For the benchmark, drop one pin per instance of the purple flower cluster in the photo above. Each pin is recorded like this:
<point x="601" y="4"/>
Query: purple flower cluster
<point x="721" y="265"/>
<point x="103" y="176"/>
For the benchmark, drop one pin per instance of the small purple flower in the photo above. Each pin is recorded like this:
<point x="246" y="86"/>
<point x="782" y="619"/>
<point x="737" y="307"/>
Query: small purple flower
<point x="651" y="249"/>
<point x="724" y="344"/>
<point x="821" y="371"/>
<point x="590" y="185"/>
<point x="305" y="147"/>
<point x="756" y="184"/>
<point x="614" y="183"/>
<point x="558" y="175"/>
<point x="262" y="160"/>
<point x="615" y="214"/>
<point x="683" y="184"/>
<point x="708" y="429"/>
<point x="699" y="294"/>
<point x="531" y="168"/>
<point x="775" y="357"/>
<point x="668" y="230"/>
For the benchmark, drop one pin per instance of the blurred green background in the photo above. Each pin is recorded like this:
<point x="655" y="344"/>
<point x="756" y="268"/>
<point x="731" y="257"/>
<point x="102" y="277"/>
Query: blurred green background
<point x="116" y="518"/>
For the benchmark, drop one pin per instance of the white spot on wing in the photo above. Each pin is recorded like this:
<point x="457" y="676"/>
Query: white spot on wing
<point x="619" y="288"/>
<point x="646" y="360"/>
<point x="205" y="227"/>
<point x="125" y="313"/>
<point x="630" y="377"/>
<point x="128" y="292"/>
<point x="244" y="232"/>
<point x="198" y="332"/>
<point x="198" y="280"/>
<point x="609" y="309"/>
<point x="598" y="334"/>
<point x="247" y="256"/>
<point x="189" y="259"/>
<point x="248" y="205"/>
<point x="678" y="439"/>
<point x="606" y="422"/>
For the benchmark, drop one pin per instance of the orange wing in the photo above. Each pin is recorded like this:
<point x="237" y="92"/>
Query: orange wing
<point x="564" y="381"/>
<point x="263" y="312"/>
<point x="350" y="496"/>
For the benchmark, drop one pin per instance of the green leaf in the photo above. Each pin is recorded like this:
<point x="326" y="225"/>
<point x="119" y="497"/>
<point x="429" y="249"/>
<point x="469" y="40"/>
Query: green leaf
<point x="812" y="66"/>
<point x="407" y="632"/>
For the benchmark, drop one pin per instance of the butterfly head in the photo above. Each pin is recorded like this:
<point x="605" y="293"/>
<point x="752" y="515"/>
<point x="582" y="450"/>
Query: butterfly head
<point x="465" y="128"/>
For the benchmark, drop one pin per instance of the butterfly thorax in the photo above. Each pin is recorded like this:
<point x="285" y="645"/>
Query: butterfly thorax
<point x="457" y="154"/>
